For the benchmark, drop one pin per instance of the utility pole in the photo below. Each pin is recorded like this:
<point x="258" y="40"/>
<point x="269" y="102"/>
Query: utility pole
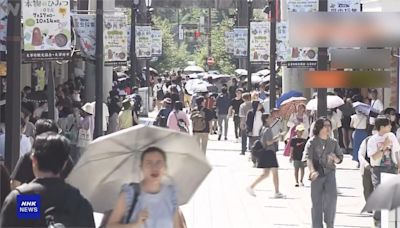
<point x="209" y="31"/>
<point x="98" y="122"/>
<point x="250" y="16"/>
<point x="132" y="51"/>
<point x="13" y="96"/>
<point x="322" y="66"/>
<point x="272" y="56"/>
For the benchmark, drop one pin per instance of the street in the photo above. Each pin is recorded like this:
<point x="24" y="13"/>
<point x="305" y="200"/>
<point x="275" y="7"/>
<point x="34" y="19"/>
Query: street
<point x="222" y="200"/>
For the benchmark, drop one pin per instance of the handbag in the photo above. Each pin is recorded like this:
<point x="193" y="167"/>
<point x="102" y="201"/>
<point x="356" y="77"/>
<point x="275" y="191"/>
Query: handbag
<point x="84" y="137"/>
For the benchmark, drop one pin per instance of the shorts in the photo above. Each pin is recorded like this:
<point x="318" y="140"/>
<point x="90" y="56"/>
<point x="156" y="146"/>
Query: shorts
<point x="299" y="164"/>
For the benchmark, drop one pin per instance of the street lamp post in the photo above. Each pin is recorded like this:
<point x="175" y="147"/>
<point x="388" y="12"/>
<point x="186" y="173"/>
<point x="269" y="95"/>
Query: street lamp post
<point x="272" y="54"/>
<point x="250" y="15"/>
<point x="98" y="122"/>
<point x="132" y="51"/>
<point x="322" y="66"/>
<point x="148" y="6"/>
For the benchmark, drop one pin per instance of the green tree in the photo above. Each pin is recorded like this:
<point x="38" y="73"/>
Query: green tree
<point x="173" y="57"/>
<point x="224" y="62"/>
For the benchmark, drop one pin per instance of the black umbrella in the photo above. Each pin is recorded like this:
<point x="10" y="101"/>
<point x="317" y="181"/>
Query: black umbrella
<point x="37" y="96"/>
<point x="386" y="196"/>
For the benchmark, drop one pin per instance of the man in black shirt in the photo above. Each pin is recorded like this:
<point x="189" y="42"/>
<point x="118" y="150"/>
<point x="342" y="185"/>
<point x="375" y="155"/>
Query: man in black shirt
<point x="233" y="88"/>
<point x="234" y="106"/>
<point x="58" y="200"/>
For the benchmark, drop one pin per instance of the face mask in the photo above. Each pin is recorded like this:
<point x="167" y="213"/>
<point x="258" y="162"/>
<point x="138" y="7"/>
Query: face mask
<point x="392" y="118"/>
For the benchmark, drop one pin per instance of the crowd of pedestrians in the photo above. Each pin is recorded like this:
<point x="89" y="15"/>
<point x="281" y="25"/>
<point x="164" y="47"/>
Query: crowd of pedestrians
<point x="49" y="149"/>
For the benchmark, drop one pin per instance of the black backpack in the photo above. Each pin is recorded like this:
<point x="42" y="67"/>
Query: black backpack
<point x="162" y="118"/>
<point x="58" y="216"/>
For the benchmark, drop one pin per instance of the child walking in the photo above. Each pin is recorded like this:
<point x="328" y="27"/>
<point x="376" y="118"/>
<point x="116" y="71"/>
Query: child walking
<point x="297" y="145"/>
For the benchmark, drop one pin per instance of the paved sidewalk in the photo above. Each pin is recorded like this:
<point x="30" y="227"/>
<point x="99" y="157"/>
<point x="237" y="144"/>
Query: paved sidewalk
<point x="222" y="200"/>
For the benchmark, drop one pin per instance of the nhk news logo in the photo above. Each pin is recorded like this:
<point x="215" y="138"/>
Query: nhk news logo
<point x="28" y="206"/>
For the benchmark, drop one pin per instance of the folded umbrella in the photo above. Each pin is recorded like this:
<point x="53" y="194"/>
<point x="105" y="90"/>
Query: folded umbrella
<point x="333" y="101"/>
<point x="385" y="196"/>
<point x="113" y="160"/>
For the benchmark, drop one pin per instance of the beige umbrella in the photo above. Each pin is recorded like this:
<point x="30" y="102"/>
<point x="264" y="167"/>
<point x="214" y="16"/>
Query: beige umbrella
<point x="113" y="160"/>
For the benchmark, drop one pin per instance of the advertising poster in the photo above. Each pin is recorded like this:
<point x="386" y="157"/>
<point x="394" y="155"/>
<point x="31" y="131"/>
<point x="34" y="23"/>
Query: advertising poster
<point x="344" y="6"/>
<point x="85" y="29"/>
<point x="229" y="42"/>
<point x="46" y="30"/>
<point x="115" y="40"/>
<point x="143" y="42"/>
<point x="156" y="49"/>
<point x="259" y="41"/>
<point x="299" y="56"/>
<point x="240" y="42"/>
<point x="3" y="24"/>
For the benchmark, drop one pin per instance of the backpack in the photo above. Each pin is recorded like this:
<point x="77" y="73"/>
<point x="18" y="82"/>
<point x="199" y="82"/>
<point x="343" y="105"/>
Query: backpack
<point x="162" y="118"/>
<point x="199" y="122"/>
<point x="57" y="217"/>
<point x="160" y="94"/>
<point x="138" y="102"/>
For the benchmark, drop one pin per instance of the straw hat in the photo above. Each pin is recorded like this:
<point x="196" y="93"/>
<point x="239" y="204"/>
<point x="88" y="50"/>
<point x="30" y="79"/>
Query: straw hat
<point x="88" y="108"/>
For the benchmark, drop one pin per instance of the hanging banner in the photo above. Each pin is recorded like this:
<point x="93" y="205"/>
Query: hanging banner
<point x="143" y="42"/>
<point x="302" y="5"/>
<point x="259" y="41"/>
<point x="3" y="25"/>
<point x="229" y="42"/>
<point x="85" y="29"/>
<point x="282" y="41"/>
<point x="46" y="30"/>
<point x="298" y="56"/>
<point x="115" y="40"/>
<point x="344" y="6"/>
<point x="156" y="48"/>
<point x="240" y="42"/>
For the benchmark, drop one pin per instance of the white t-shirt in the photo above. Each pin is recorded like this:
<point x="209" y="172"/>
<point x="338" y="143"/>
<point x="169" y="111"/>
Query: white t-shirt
<point x="106" y="115"/>
<point x="358" y="121"/>
<point x="377" y="105"/>
<point x="257" y="125"/>
<point x="376" y="141"/>
<point x="336" y="119"/>
<point x="25" y="145"/>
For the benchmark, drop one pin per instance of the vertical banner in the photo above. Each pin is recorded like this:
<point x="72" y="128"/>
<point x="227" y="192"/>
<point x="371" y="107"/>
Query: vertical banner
<point x="240" y="42"/>
<point x="259" y="41"/>
<point x="143" y="42"/>
<point x="229" y="42"/>
<point x="115" y="40"/>
<point x="282" y="41"/>
<point x="344" y="6"/>
<point x="156" y="45"/>
<point x="46" y="30"/>
<point x="85" y="29"/>
<point x="3" y="25"/>
<point x="294" y="56"/>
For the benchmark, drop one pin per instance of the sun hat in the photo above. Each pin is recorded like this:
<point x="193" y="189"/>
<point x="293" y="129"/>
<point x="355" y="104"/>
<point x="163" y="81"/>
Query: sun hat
<point x="88" y="108"/>
<point x="300" y="127"/>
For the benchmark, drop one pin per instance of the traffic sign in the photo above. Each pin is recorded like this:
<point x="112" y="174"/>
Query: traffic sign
<point x="210" y="61"/>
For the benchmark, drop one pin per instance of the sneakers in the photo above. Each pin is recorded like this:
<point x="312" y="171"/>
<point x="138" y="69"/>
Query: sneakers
<point x="297" y="185"/>
<point x="251" y="191"/>
<point x="279" y="195"/>
<point x="219" y="137"/>
<point x="226" y="138"/>
<point x="237" y="140"/>
<point x="301" y="184"/>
